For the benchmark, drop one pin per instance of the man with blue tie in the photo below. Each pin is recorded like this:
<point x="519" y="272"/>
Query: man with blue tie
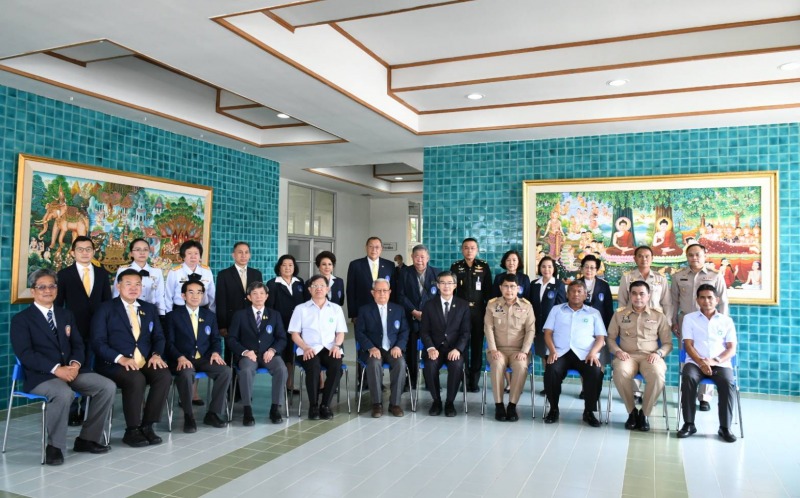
<point x="382" y="333"/>
<point x="48" y="344"/>
<point x="194" y="345"/>
<point x="128" y="342"/>
<point x="256" y="338"/>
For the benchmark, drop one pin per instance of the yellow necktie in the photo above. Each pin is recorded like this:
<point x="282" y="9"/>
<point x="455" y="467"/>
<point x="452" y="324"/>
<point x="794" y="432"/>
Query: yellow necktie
<point x="243" y="278"/>
<point x="87" y="281"/>
<point x="374" y="270"/>
<point x="193" y="316"/>
<point x="137" y="331"/>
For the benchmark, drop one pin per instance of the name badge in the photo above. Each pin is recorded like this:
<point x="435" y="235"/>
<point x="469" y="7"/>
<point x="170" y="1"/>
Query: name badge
<point x="600" y="296"/>
<point x="478" y="285"/>
<point x="339" y="294"/>
<point x="551" y="295"/>
<point x="433" y="290"/>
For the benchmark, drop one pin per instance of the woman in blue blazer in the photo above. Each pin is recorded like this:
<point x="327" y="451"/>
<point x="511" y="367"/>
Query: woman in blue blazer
<point x="326" y="262"/>
<point x="547" y="291"/>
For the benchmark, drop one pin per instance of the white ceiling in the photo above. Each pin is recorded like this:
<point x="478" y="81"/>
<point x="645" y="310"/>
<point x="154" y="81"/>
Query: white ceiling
<point x="368" y="83"/>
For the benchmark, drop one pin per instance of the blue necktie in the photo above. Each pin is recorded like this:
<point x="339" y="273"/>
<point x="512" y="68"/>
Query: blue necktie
<point x="51" y="322"/>
<point x="258" y="319"/>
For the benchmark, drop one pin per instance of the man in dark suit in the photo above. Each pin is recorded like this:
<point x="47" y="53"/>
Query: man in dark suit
<point x="82" y="287"/>
<point x="232" y="285"/>
<point x="193" y="345"/>
<point x="128" y="342"/>
<point x="382" y="333"/>
<point x="256" y="338"/>
<point x="416" y="286"/>
<point x="445" y="334"/>
<point x="45" y="338"/>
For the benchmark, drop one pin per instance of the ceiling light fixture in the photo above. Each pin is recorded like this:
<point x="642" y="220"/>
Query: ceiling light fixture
<point x="789" y="66"/>
<point x="281" y="115"/>
<point x="616" y="82"/>
<point x="475" y="96"/>
<point x="398" y="177"/>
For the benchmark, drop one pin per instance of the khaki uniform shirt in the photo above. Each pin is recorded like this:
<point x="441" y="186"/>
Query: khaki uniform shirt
<point x="684" y="291"/>
<point x="660" y="296"/>
<point x="509" y="326"/>
<point x="639" y="332"/>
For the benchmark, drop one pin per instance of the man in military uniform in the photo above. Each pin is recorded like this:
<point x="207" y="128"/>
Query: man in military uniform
<point x="684" y="291"/>
<point x="190" y="271"/>
<point x="474" y="285"/>
<point x="509" y="325"/>
<point x="639" y="328"/>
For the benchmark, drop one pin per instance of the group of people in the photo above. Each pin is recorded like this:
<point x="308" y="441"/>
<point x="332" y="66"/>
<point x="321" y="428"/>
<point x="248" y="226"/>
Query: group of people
<point x="81" y="335"/>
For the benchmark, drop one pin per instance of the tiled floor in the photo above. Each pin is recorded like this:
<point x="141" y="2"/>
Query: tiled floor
<point x="426" y="456"/>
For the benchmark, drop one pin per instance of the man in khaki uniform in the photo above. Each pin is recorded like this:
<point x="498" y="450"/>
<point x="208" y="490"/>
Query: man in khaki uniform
<point x="509" y="326"/>
<point x="639" y="328"/>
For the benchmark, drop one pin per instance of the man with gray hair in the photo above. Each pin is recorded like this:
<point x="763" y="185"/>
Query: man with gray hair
<point x="50" y="348"/>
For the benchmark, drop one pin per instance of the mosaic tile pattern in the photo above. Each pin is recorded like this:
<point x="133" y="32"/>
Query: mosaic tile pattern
<point x="476" y="190"/>
<point x="31" y="124"/>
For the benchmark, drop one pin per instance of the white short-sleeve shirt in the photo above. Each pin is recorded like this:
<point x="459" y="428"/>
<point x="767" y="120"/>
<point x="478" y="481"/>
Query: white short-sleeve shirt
<point x="317" y="326"/>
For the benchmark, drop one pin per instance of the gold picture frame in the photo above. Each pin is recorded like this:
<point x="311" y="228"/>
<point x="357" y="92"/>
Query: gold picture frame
<point x="734" y="215"/>
<point x="59" y="200"/>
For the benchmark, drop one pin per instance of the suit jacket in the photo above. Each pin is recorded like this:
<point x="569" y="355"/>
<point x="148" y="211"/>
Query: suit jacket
<point x="230" y="294"/>
<point x="369" y="329"/>
<point x="180" y="334"/>
<point x="602" y="300"/>
<point x="282" y="301"/>
<point x="359" y="282"/>
<point x="445" y="337"/>
<point x="72" y="295"/>
<point x="554" y="294"/>
<point x="408" y="291"/>
<point x="112" y="334"/>
<point x="336" y="293"/>
<point x="243" y="334"/>
<point x="38" y="349"/>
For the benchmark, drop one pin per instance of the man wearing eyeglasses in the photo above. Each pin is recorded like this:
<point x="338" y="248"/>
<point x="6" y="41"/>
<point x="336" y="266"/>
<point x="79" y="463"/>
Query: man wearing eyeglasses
<point x="45" y="338"/>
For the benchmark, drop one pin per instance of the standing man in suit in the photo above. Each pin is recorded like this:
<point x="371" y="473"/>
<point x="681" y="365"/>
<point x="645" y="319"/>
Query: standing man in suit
<point x="191" y="270"/>
<point x="82" y="288"/>
<point x="256" y="338"/>
<point x="45" y="338"/>
<point x="152" y="278"/>
<point x="193" y="345"/>
<point x="128" y="342"/>
<point x="445" y="334"/>
<point x="361" y="274"/>
<point x="382" y="332"/>
<point x="474" y="278"/>
<point x="416" y="286"/>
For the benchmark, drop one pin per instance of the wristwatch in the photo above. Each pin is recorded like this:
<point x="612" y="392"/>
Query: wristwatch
<point x="660" y="353"/>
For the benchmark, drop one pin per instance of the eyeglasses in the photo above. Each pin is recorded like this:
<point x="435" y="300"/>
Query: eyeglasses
<point x="447" y="283"/>
<point x="42" y="288"/>
<point x="381" y="291"/>
<point x="587" y="267"/>
<point x="317" y="286"/>
<point x="509" y="287"/>
<point x="84" y="249"/>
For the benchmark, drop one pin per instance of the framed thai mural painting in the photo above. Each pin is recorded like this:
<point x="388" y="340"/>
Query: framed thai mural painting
<point x="734" y="215"/>
<point x="58" y="201"/>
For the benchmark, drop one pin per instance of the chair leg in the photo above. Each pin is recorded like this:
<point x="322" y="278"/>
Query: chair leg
<point x="464" y="383"/>
<point x="8" y="415"/>
<point x="664" y="401"/>
<point x="300" y="396"/>
<point x="44" y="429"/>
<point x="483" y="400"/>
<point x="231" y="394"/>
<point x="361" y="392"/>
<point x="739" y="410"/>
<point x="170" y="401"/>
<point x="533" y="397"/>
<point x="419" y="381"/>
<point x="347" y="390"/>
<point x="410" y="392"/>
<point x="610" y="399"/>
<point x="678" y="411"/>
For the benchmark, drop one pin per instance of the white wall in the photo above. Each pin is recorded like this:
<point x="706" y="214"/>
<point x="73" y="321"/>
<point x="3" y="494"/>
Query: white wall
<point x="389" y="221"/>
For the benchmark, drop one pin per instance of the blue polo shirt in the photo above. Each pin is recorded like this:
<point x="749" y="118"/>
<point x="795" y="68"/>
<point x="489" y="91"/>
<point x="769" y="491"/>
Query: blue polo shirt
<point x="575" y="330"/>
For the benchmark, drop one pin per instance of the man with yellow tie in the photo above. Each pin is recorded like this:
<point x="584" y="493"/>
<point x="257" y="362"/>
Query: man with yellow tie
<point x="128" y="343"/>
<point x="194" y="345"/>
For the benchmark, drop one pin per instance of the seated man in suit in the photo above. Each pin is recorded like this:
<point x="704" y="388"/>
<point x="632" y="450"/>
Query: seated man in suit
<point x="49" y="346"/>
<point x="256" y="338"/>
<point x="574" y="334"/>
<point x="193" y="345"/>
<point x="382" y="332"/>
<point x="445" y="334"/>
<point x="128" y="342"/>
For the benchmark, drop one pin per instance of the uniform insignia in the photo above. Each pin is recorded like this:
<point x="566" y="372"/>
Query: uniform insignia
<point x="176" y="267"/>
<point x="626" y="319"/>
<point x="601" y="296"/>
<point x="397" y="324"/>
<point x="433" y="290"/>
<point x="269" y="329"/>
<point x="551" y="294"/>
<point x="68" y="331"/>
<point x="208" y="330"/>
<point x="151" y="327"/>
<point x="204" y="266"/>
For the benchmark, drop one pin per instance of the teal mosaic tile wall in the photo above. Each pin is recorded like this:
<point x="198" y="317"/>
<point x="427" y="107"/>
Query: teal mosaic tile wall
<point x="476" y="190"/>
<point x="31" y="124"/>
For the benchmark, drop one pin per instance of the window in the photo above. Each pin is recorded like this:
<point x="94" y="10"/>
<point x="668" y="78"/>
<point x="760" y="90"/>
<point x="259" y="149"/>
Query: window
<point x="310" y="227"/>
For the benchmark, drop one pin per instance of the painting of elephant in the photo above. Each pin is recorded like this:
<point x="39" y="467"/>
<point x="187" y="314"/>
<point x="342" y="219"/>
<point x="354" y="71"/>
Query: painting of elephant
<point x="65" y="219"/>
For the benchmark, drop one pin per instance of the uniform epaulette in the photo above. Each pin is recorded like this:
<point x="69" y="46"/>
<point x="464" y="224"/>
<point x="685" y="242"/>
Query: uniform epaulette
<point x="525" y="300"/>
<point x="623" y="309"/>
<point x="176" y="267"/>
<point x="493" y="300"/>
<point x="204" y="266"/>
<point x="95" y="262"/>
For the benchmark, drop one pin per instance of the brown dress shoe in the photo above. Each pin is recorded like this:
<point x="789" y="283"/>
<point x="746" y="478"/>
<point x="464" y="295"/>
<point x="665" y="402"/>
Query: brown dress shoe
<point x="396" y="411"/>
<point x="377" y="410"/>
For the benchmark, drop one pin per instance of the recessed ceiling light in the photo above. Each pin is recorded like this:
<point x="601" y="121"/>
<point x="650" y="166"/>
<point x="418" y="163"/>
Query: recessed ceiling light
<point x="616" y="82"/>
<point x="283" y="116"/>
<point x="789" y="66"/>
<point x="398" y="177"/>
<point x="475" y="96"/>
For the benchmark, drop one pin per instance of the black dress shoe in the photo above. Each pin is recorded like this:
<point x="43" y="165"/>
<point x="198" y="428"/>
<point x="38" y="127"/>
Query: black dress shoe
<point x="275" y="416"/>
<point x="499" y="412"/>
<point x="198" y="402"/>
<point x="726" y="435"/>
<point x="134" y="438"/>
<point x="511" y="413"/>
<point x="473" y="388"/>
<point x="633" y="420"/>
<point x="449" y="410"/>
<point x="686" y="431"/>
<point x="436" y="409"/>
<point x="590" y="419"/>
<point x="294" y="391"/>
<point x="213" y="420"/>
<point x="53" y="455"/>
<point x="75" y="419"/>
<point x="189" y="424"/>
<point x="248" y="420"/>
<point x="86" y="446"/>
<point x="552" y="416"/>
<point x="543" y="392"/>
<point x="644" y="424"/>
<point x="150" y="435"/>
<point x="313" y="412"/>
<point x="705" y="406"/>
<point x="325" y="412"/>
<point x="580" y="396"/>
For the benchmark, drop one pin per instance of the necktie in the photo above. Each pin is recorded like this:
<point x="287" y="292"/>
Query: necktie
<point x="144" y="273"/>
<point x="421" y="282"/>
<point x="243" y="278"/>
<point x="374" y="265"/>
<point x="52" y="322"/>
<point x="258" y="319"/>
<point x="137" y="331"/>
<point x="385" y="343"/>
<point x="446" y="310"/>
<point x="195" y="277"/>
<point x="193" y="316"/>
<point x="87" y="281"/>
